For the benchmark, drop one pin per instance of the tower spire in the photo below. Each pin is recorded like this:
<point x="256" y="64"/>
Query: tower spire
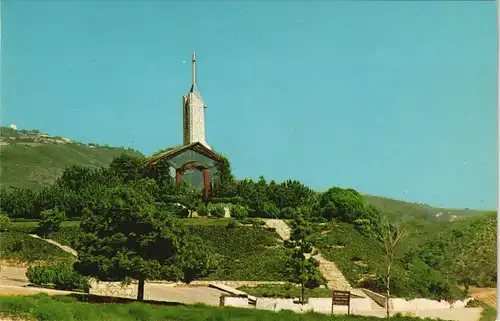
<point x="194" y="68"/>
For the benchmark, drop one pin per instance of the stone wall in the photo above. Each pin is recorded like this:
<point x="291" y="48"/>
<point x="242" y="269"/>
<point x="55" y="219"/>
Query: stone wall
<point x="361" y="306"/>
<point x="130" y="291"/>
<point x="397" y="304"/>
<point x="321" y="305"/>
<point x="194" y="119"/>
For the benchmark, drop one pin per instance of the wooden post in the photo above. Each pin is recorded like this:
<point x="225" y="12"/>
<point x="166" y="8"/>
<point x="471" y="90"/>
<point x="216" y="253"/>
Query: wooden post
<point x="206" y="183"/>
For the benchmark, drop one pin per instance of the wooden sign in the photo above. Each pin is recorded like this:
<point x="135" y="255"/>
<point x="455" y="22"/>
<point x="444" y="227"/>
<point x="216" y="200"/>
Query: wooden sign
<point x="342" y="298"/>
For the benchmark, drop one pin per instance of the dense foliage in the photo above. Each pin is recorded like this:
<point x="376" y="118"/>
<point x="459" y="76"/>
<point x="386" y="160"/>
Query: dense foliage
<point x="5" y="223"/>
<point x="359" y="258"/>
<point x="22" y="248"/>
<point x="302" y="270"/>
<point x="428" y="264"/>
<point x="59" y="276"/>
<point x="50" y="221"/>
<point x="244" y="252"/>
<point x="125" y="236"/>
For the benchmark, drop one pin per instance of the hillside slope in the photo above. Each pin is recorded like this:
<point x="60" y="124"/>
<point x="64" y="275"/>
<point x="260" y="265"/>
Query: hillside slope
<point x="407" y="211"/>
<point x="32" y="160"/>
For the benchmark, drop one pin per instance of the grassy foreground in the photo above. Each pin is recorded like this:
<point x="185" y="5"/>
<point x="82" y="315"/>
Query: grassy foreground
<point x="66" y="308"/>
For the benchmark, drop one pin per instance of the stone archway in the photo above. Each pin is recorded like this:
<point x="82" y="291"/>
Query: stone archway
<point x="204" y="170"/>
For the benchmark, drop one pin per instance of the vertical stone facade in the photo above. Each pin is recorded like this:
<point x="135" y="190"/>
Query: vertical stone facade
<point x="193" y="110"/>
<point x="194" y="118"/>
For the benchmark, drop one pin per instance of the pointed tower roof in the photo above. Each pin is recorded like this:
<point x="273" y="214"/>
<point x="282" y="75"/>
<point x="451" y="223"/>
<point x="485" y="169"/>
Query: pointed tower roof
<point x="194" y="88"/>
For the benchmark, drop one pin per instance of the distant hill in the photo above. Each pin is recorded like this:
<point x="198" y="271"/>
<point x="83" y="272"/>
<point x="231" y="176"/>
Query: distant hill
<point x="407" y="211"/>
<point x="30" y="159"/>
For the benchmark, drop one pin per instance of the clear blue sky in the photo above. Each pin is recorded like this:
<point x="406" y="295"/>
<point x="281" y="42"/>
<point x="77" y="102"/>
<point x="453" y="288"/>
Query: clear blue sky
<point x="397" y="99"/>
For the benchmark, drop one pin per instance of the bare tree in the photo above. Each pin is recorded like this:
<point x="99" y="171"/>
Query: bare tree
<point x="390" y="236"/>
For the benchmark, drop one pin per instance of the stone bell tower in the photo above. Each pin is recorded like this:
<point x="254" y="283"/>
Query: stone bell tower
<point x="193" y="114"/>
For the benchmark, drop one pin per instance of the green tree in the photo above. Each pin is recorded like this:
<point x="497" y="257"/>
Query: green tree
<point x="302" y="270"/>
<point x="343" y="204"/>
<point x="288" y="213"/>
<point x="125" y="237"/>
<point x="75" y="178"/>
<point x="54" y="196"/>
<point x="127" y="167"/>
<point x="224" y="183"/>
<point x="18" y="202"/>
<point x="291" y="193"/>
<point x="50" y="221"/>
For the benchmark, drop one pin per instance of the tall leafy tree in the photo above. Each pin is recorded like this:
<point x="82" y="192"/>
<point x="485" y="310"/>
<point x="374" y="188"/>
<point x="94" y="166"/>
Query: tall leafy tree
<point x="75" y="178"/>
<point x="128" y="167"/>
<point x="125" y="236"/>
<point x="18" y="202"/>
<point x="343" y="204"/>
<point x="224" y="184"/>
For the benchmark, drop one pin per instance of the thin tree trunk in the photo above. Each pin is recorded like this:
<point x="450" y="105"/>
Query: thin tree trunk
<point x="140" y="290"/>
<point x="302" y="280"/>
<point x="388" y="288"/>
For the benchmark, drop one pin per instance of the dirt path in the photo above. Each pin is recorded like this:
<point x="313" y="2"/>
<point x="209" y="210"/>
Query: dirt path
<point x="280" y="226"/>
<point x="62" y="247"/>
<point x="487" y="295"/>
<point x="334" y="277"/>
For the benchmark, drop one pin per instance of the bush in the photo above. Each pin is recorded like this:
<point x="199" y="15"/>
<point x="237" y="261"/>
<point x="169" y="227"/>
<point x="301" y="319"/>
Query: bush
<point x="217" y="211"/>
<point x="5" y="223"/>
<point x="50" y="221"/>
<point x="202" y="210"/>
<point x="252" y="221"/>
<point x="288" y="213"/>
<point x="239" y="212"/>
<point x="266" y="210"/>
<point x="61" y="277"/>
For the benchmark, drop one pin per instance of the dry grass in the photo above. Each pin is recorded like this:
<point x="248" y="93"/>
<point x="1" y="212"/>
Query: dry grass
<point x="487" y="295"/>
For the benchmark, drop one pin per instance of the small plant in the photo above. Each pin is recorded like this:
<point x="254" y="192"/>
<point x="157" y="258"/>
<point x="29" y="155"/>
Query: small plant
<point x="217" y="211"/>
<point x="202" y="210"/>
<point x="474" y="304"/>
<point x="50" y="221"/>
<point x="61" y="277"/>
<point x="239" y="212"/>
<point x="5" y="223"/>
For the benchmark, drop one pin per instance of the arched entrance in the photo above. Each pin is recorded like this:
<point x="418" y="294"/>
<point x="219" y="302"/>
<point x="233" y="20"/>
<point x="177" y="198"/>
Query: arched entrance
<point x="187" y="158"/>
<point x="204" y="171"/>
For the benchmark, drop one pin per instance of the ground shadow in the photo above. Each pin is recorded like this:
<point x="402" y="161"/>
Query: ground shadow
<point x="92" y="298"/>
